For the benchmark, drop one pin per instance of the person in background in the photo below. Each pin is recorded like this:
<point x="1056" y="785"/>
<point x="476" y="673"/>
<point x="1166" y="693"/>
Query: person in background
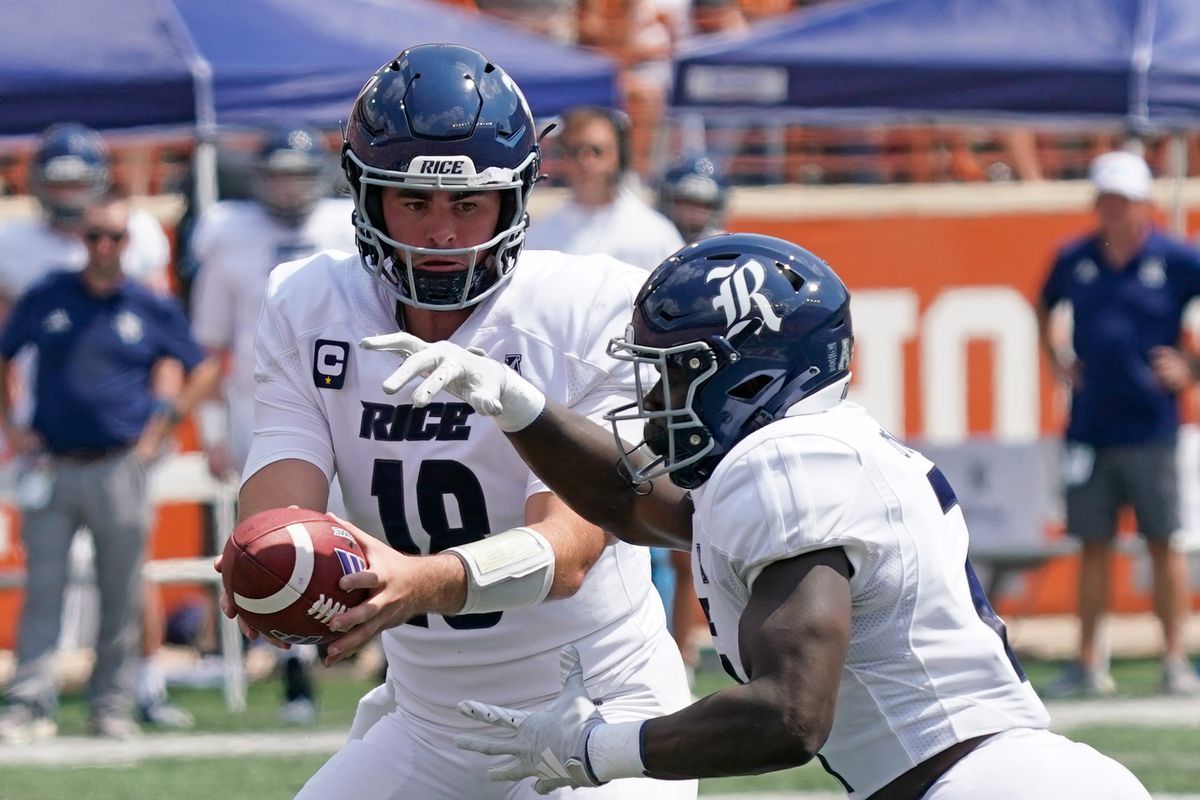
<point x="831" y="559"/>
<point x="554" y="19"/>
<point x="716" y="16"/>
<point x="1127" y="285"/>
<point x="603" y="214"/>
<point x="98" y="336"/>
<point x="69" y="170"/>
<point x="639" y="36"/>
<point x="694" y="196"/>
<point x="234" y="246"/>
<point x="441" y="154"/>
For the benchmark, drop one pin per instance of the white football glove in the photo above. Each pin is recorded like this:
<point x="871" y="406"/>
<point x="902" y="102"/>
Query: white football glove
<point x="490" y="387"/>
<point x="550" y="745"/>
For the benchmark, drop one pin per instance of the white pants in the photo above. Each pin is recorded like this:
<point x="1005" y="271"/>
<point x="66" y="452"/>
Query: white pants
<point x="401" y="757"/>
<point x="1036" y="765"/>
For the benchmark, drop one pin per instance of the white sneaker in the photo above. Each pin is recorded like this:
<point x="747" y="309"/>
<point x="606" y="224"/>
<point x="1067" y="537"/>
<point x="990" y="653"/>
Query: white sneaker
<point x="301" y="711"/>
<point x="165" y="715"/>
<point x="21" y="725"/>
<point x="117" y="728"/>
<point x="1180" y="678"/>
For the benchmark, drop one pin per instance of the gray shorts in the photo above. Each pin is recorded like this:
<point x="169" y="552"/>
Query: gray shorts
<point x="1144" y="476"/>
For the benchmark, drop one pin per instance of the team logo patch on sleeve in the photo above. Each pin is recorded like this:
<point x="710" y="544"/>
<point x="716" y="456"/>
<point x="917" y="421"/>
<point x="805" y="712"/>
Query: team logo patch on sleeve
<point x="329" y="363"/>
<point x="351" y="562"/>
<point x="513" y="362"/>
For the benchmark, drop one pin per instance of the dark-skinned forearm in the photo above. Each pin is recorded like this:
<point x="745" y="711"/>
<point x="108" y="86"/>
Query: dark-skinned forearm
<point x="578" y="460"/>
<point x="741" y="730"/>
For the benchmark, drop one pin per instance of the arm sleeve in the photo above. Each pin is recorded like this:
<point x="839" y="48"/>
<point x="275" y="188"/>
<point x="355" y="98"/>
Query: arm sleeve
<point x="1054" y="290"/>
<point x="784" y="498"/>
<point x="17" y="330"/>
<point x="176" y="338"/>
<point x="1191" y="260"/>
<point x="289" y="420"/>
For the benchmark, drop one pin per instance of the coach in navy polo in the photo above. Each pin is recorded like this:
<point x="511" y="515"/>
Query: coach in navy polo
<point x="98" y="337"/>
<point x="1127" y="285"/>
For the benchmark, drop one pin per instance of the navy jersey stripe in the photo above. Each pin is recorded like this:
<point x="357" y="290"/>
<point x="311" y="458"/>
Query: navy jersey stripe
<point x="943" y="490"/>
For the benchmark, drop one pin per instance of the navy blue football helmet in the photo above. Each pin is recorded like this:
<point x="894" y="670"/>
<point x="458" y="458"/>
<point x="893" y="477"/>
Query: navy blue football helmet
<point x="68" y="172"/>
<point x="739" y="328"/>
<point x="699" y="183"/>
<point x="292" y="172"/>
<point x="441" y="117"/>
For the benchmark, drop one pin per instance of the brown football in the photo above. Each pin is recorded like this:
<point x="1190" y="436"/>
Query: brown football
<point x="281" y="570"/>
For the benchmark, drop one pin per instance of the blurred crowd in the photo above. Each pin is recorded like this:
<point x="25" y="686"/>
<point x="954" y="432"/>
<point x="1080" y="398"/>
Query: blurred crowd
<point x="641" y="36"/>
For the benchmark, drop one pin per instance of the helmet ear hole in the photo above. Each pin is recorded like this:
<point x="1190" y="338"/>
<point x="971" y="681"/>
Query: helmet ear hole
<point x="749" y="389"/>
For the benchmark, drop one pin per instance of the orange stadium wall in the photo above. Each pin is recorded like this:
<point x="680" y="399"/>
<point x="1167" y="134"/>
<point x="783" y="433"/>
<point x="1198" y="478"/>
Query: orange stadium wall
<point x="944" y="280"/>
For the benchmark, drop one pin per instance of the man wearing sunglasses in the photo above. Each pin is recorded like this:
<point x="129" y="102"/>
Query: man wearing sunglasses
<point x="604" y="213"/>
<point x="69" y="170"/>
<point x="96" y="428"/>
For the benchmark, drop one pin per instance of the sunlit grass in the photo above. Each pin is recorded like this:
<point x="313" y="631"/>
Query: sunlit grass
<point x="1165" y="759"/>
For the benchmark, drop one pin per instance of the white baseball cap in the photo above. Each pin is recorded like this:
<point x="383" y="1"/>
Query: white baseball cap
<point x="1123" y="173"/>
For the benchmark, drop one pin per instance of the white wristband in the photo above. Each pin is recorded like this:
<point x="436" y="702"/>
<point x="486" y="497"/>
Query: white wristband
<point x="614" y="750"/>
<point x="522" y="403"/>
<point x="513" y="569"/>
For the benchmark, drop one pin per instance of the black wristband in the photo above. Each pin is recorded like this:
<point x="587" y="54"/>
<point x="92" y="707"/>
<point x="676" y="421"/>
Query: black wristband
<point x="168" y="411"/>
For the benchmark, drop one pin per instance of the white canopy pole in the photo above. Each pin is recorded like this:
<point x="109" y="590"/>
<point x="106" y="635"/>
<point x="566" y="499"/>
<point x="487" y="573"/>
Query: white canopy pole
<point x="1177" y="159"/>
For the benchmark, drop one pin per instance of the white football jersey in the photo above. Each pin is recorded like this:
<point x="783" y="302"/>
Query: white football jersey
<point x="427" y="479"/>
<point x="236" y="244"/>
<point x="626" y="229"/>
<point x="30" y="248"/>
<point x="927" y="665"/>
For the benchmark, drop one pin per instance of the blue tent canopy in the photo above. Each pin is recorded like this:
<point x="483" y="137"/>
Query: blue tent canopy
<point x="107" y="65"/>
<point x="308" y="58"/>
<point x="120" y="64"/>
<point x="1132" y="61"/>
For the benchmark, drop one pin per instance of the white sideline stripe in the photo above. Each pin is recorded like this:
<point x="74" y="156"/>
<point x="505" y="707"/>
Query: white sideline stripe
<point x="302" y="571"/>
<point x="1181" y="712"/>
<point x="82" y="751"/>
<point x="87" y="751"/>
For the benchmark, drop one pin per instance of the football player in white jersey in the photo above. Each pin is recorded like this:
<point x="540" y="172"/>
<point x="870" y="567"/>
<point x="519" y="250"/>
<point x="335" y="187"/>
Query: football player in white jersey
<point x="830" y="558"/>
<point x="441" y="154"/>
<point x="235" y="245"/>
<point x="69" y="170"/>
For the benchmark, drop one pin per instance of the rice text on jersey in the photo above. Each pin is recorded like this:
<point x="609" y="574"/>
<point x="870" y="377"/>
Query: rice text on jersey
<point x="405" y="423"/>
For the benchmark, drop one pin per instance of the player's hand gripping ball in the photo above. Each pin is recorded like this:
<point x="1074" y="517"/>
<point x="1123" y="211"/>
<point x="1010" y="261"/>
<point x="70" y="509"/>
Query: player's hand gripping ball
<point x="281" y="570"/>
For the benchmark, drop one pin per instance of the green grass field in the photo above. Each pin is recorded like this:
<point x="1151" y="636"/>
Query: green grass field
<point x="1164" y="758"/>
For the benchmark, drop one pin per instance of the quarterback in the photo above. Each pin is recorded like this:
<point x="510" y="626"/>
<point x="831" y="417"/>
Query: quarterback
<point x="830" y="558"/>
<point x="441" y="155"/>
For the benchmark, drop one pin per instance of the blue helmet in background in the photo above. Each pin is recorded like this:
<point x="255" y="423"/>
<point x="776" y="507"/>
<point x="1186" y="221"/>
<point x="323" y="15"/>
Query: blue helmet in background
<point x="694" y="194"/>
<point x="68" y="172"/>
<point x="441" y="117"/>
<point x="739" y="327"/>
<point x="292" y="171"/>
